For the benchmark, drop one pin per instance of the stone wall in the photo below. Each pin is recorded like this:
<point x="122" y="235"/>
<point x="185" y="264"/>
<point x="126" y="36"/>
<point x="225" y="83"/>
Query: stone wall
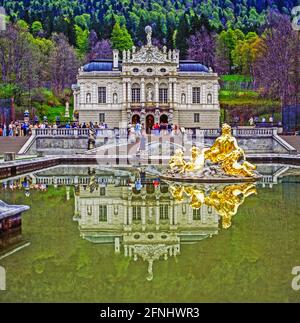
<point x="58" y="146"/>
<point x="75" y="141"/>
<point x="112" y="118"/>
<point x="257" y="145"/>
<point x="208" y="119"/>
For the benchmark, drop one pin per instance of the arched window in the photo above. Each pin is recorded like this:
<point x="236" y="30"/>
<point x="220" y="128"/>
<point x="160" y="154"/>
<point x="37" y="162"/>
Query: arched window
<point x="209" y="98"/>
<point x="88" y="98"/>
<point x="163" y="93"/>
<point x="183" y="98"/>
<point x="136" y="93"/>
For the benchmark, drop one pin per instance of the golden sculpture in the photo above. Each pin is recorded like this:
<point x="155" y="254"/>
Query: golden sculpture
<point x="228" y="155"/>
<point x="225" y="200"/>
<point x="177" y="162"/>
<point x="177" y="191"/>
<point x="197" y="162"/>
<point x="197" y="197"/>
<point x="225" y="153"/>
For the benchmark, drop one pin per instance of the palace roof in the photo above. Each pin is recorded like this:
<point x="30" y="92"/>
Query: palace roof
<point x="107" y="66"/>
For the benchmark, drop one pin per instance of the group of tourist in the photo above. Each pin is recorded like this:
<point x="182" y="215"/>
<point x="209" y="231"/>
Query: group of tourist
<point x="23" y="183"/>
<point x="21" y="129"/>
<point x="15" y="129"/>
<point x="163" y="128"/>
<point x="258" y="121"/>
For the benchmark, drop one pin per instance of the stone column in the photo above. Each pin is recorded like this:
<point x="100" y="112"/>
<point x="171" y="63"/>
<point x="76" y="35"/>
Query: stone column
<point x="172" y="213"/>
<point x="203" y="94"/>
<point x="124" y="94"/>
<point x="143" y="93"/>
<point x="170" y="94"/>
<point x="109" y="214"/>
<point x="82" y="97"/>
<point x="157" y="217"/>
<point x="175" y="218"/>
<point x="190" y="216"/>
<point x="175" y="96"/>
<point x="203" y="214"/>
<point x="130" y="215"/>
<point x="144" y="216"/>
<point x="129" y="92"/>
<point x="190" y="95"/>
<point x="94" y="93"/>
<point x="109" y="99"/>
<point x="126" y="251"/>
<point x="125" y="215"/>
<point x="156" y="95"/>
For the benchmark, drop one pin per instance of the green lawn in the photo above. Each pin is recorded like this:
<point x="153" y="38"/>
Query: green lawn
<point x="235" y="78"/>
<point x="245" y="98"/>
<point x="59" y="111"/>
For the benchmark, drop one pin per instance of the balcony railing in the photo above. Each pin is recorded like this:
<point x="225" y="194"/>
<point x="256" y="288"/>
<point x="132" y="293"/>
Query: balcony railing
<point x="63" y="132"/>
<point x="110" y="133"/>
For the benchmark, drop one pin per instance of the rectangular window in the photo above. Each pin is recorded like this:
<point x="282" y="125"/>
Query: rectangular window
<point x="196" y="95"/>
<point x="136" y="213"/>
<point x="197" y="215"/>
<point x="136" y="95"/>
<point x="164" y="212"/>
<point x="102" y="191"/>
<point x="196" y="117"/>
<point x="102" y="213"/>
<point x="102" y="117"/>
<point x="102" y="94"/>
<point x="163" y="95"/>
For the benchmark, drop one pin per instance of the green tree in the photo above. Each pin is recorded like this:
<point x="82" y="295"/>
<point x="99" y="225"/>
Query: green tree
<point x="23" y="25"/>
<point x="182" y="36"/>
<point x="245" y="53"/>
<point x="226" y="43"/>
<point x="8" y="90"/>
<point x="84" y="21"/>
<point x="36" y="28"/>
<point x="82" y="40"/>
<point x="121" y="38"/>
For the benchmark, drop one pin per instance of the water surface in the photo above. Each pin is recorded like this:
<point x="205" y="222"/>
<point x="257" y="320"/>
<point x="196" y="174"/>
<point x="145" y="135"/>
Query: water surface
<point x="94" y="235"/>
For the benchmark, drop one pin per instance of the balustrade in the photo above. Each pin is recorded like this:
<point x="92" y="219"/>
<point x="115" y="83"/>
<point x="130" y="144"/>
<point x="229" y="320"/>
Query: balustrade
<point x="112" y="133"/>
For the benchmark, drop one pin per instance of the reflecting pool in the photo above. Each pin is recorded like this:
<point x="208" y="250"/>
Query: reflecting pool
<point x="118" y="235"/>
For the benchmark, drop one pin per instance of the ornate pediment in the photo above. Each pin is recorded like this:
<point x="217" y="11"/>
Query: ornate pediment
<point x="149" y="54"/>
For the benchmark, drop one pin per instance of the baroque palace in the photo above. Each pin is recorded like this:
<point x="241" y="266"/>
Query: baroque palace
<point x="147" y="86"/>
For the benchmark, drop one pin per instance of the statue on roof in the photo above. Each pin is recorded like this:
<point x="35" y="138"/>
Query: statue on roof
<point x="148" y="31"/>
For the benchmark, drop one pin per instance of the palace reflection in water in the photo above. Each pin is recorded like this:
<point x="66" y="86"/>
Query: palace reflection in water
<point x="148" y="219"/>
<point x="144" y="218"/>
<point x="141" y="218"/>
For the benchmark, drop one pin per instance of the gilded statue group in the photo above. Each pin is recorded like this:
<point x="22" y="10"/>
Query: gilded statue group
<point x="225" y="200"/>
<point x="225" y="153"/>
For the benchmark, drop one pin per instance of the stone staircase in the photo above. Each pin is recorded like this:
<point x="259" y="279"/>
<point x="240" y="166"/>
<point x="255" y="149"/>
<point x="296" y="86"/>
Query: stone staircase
<point x="294" y="141"/>
<point x="12" y="144"/>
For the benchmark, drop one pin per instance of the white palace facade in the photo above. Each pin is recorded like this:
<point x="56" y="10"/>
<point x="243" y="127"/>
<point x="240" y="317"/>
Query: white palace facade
<point x="148" y="85"/>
